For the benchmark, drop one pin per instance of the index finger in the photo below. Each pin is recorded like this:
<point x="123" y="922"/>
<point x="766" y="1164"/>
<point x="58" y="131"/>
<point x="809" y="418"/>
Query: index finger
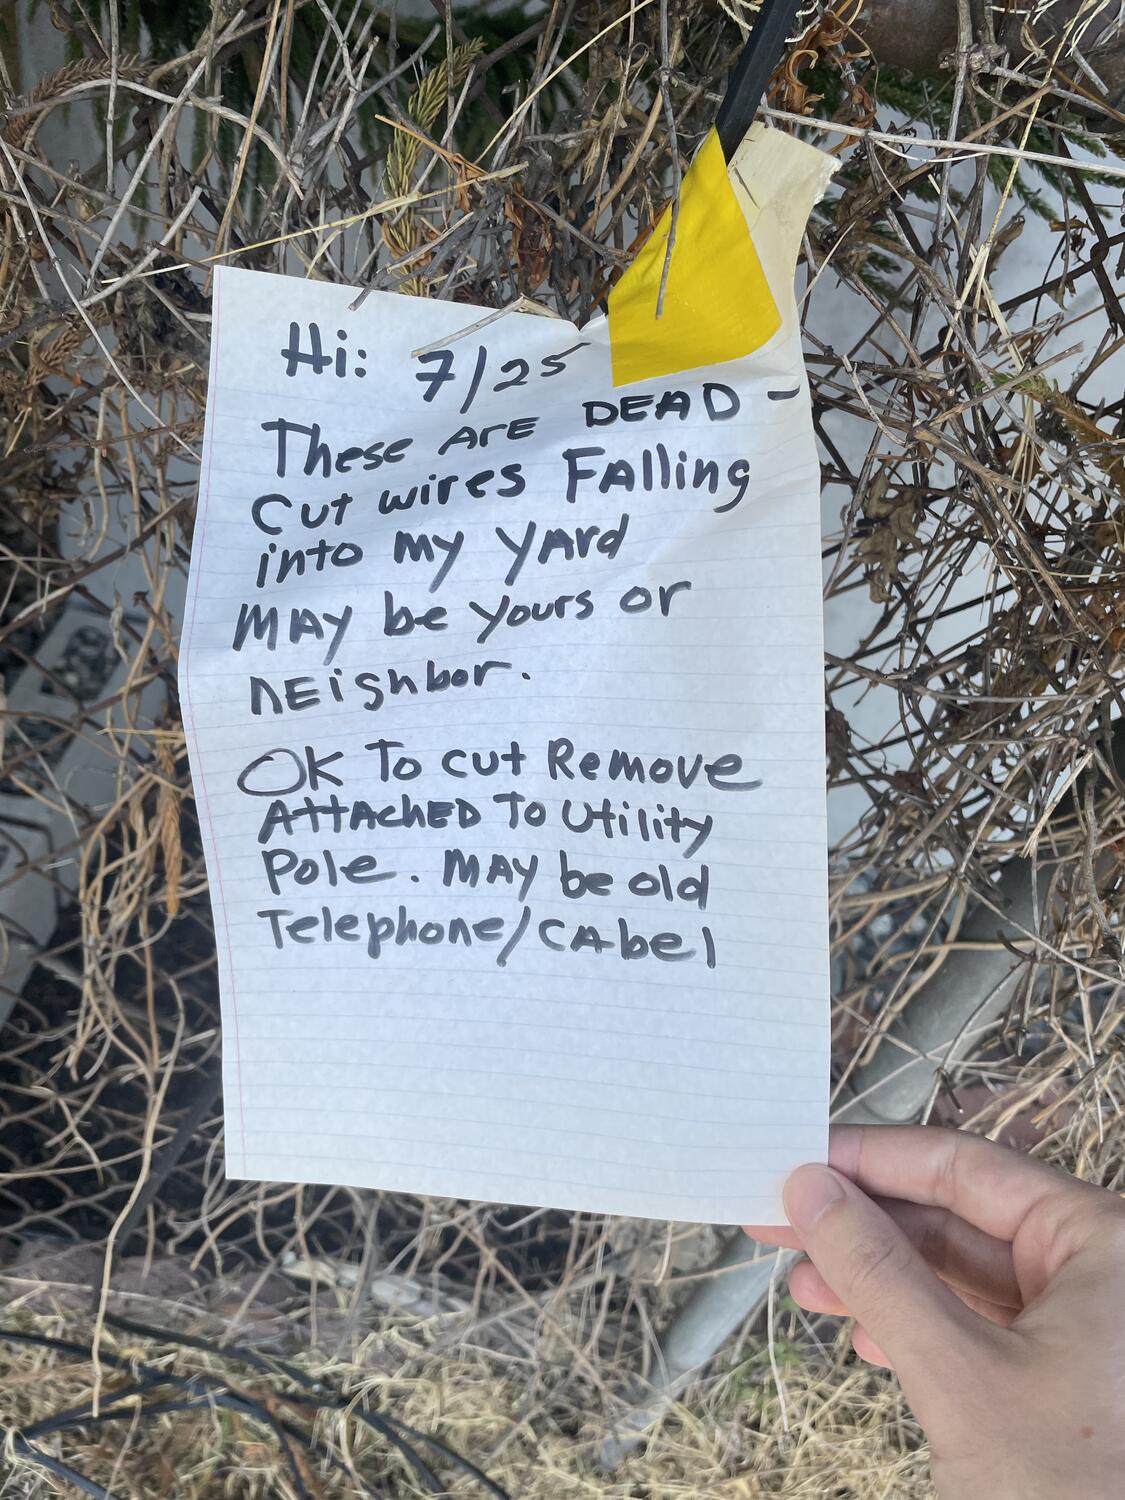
<point x="988" y="1185"/>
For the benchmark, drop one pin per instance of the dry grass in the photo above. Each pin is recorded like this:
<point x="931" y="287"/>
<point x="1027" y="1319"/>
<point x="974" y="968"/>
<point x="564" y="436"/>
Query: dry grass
<point x="327" y="141"/>
<point x="841" y="1420"/>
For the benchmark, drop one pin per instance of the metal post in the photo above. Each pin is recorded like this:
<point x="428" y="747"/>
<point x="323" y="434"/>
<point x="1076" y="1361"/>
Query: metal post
<point x="969" y="992"/>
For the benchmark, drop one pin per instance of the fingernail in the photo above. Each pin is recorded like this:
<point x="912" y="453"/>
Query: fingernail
<point x="809" y="1192"/>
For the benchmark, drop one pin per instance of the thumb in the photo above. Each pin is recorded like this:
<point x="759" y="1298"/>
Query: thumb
<point x="876" y="1272"/>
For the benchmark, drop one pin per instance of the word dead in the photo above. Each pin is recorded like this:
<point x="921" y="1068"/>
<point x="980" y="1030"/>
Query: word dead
<point x="502" y="672"/>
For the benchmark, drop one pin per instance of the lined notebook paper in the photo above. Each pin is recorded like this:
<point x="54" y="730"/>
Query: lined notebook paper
<point x="503" y="694"/>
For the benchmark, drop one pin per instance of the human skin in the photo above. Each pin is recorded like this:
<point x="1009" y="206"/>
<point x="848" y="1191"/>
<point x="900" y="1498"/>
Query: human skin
<point x="993" y="1285"/>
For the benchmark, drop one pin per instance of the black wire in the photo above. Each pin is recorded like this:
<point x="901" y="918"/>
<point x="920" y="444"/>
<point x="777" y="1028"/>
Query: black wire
<point x="414" y="1459"/>
<point x="272" y="1365"/>
<point x="214" y="1393"/>
<point x="204" y="1390"/>
<point x="453" y="1456"/>
<point x="74" y="1415"/>
<point x="383" y="1425"/>
<point x="60" y="1470"/>
<point x="83" y="1417"/>
<point x="751" y="72"/>
<point x="266" y="1364"/>
<point x="227" y="1401"/>
<point x="279" y="1429"/>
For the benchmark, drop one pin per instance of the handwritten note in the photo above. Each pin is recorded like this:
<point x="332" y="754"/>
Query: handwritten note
<point x="503" y="693"/>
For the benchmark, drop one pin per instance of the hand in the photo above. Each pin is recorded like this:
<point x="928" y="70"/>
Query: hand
<point x="993" y="1285"/>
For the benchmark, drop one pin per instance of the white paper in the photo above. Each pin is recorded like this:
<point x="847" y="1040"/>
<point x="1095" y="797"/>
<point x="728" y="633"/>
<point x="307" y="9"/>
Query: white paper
<point x="684" y="1082"/>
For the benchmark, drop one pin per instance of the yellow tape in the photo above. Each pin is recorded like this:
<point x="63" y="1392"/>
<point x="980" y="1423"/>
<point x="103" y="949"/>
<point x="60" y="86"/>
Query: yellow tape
<point x="717" y="303"/>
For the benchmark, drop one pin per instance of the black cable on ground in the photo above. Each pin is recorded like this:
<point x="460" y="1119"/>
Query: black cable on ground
<point x="201" y="1390"/>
